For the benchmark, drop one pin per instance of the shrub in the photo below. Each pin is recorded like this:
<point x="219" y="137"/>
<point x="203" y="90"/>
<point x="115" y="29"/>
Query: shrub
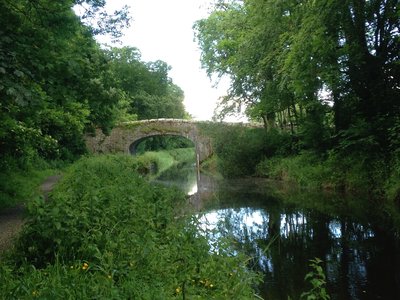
<point x="317" y="279"/>
<point x="239" y="149"/>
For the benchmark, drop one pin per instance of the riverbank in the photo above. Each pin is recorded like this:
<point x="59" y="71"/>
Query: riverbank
<point x="374" y="178"/>
<point x="157" y="162"/>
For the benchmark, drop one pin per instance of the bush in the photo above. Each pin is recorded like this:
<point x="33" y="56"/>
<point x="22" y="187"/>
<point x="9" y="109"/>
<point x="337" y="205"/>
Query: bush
<point x="317" y="279"/>
<point x="239" y="149"/>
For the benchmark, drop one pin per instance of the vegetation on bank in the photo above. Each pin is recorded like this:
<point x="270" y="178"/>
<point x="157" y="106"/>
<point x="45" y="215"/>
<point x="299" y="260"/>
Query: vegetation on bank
<point x="280" y="155"/>
<point x="323" y="77"/>
<point x="106" y="232"/>
<point x="157" y="162"/>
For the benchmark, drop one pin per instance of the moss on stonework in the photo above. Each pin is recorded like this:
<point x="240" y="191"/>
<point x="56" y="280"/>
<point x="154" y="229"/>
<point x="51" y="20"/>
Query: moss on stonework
<point x="151" y="127"/>
<point x="130" y="125"/>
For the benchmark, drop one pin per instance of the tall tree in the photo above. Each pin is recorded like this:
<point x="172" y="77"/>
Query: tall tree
<point x="147" y="88"/>
<point x="52" y="80"/>
<point x="287" y="59"/>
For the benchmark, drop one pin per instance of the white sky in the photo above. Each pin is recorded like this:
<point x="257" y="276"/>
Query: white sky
<point x="162" y="29"/>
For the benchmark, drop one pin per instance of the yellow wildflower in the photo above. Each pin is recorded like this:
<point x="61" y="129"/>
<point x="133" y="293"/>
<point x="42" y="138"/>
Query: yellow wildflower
<point x="178" y="290"/>
<point x="85" y="266"/>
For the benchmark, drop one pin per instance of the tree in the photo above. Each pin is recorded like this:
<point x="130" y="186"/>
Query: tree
<point x="149" y="91"/>
<point x="94" y="15"/>
<point x="244" y="40"/>
<point x="53" y="80"/>
<point x="289" y="59"/>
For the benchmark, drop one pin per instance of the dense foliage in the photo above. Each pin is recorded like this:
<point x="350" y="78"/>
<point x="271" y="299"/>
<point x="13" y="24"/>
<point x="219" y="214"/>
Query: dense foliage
<point x="239" y="149"/>
<point x="56" y="82"/>
<point x="315" y="65"/>
<point x="107" y="233"/>
<point x="327" y="72"/>
<point x="17" y="187"/>
<point x="146" y="90"/>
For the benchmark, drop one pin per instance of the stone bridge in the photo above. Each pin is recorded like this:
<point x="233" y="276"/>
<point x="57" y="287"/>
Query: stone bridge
<point x="125" y="137"/>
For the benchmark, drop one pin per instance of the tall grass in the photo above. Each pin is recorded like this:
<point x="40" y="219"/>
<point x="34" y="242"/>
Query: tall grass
<point x="305" y="170"/>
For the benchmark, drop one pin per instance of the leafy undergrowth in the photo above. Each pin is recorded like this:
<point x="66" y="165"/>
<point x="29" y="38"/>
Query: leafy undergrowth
<point x="106" y="233"/>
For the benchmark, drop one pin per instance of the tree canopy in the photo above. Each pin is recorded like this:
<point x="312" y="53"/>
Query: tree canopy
<point x="57" y="82"/>
<point x="317" y="66"/>
<point x="148" y="91"/>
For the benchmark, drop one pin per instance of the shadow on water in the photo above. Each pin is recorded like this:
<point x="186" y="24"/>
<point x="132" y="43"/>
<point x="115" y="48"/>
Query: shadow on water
<point x="283" y="228"/>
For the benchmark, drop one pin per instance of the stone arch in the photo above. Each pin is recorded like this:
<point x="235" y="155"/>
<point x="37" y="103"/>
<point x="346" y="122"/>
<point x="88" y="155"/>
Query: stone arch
<point x="133" y="146"/>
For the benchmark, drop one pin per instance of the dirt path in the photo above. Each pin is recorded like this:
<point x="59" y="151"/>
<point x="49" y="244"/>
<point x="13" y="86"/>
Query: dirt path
<point x="11" y="219"/>
<point x="48" y="184"/>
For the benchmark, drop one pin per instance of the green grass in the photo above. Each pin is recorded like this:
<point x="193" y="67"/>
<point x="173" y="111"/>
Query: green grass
<point x="305" y="170"/>
<point x="106" y="233"/>
<point x="181" y="155"/>
<point x="21" y="185"/>
<point x="165" y="159"/>
<point x="330" y="172"/>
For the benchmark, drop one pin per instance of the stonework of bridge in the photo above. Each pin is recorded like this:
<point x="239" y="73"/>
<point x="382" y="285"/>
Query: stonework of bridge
<point x="125" y="137"/>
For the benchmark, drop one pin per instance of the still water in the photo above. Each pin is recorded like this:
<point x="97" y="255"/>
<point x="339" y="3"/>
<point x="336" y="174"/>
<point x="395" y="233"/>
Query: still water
<point x="282" y="229"/>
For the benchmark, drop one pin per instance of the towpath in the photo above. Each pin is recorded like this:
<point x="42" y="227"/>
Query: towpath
<point x="11" y="219"/>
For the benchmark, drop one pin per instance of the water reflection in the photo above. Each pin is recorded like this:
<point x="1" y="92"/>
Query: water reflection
<point x="181" y="175"/>
<point x="361" y="257"/>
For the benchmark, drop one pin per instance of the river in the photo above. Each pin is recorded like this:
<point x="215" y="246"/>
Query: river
<point x="283" y="227"/>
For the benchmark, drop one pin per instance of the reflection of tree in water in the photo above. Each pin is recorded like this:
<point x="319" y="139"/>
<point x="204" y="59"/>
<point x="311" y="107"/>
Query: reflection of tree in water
<point x="182" y="175"/>
<point x="356" y="256"/>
